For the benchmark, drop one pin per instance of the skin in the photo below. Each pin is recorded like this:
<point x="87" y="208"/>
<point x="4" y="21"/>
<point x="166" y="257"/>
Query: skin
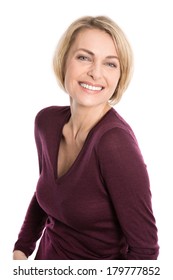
<point x="92" y="73"/>
<point x="92" y="60"/>
<point x="19" y="255"/>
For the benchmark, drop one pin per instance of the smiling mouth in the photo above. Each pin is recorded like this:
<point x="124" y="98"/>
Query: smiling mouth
<point x="94" y="88"/>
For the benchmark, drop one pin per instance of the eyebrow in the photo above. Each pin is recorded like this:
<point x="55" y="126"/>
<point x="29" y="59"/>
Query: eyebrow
<point x="91" y="53"/>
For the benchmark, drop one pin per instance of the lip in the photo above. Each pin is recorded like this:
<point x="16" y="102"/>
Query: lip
<point x="90" y="86"/>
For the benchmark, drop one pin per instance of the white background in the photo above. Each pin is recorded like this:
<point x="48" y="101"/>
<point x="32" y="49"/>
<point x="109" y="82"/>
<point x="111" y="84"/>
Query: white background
<point x="29" y="32"/>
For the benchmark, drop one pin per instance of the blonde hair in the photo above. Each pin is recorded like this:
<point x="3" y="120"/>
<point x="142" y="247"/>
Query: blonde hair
<point x="123" y="48"/>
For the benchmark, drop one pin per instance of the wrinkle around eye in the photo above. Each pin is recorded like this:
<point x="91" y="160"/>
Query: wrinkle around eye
<point x="83" y="58"/>
<point x="111" y="65"/>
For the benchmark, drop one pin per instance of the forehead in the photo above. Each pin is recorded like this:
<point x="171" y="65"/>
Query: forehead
<point x="95" y="40"/>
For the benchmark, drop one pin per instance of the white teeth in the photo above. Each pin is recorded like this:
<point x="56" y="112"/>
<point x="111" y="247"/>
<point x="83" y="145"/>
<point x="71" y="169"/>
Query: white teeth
<point x="90" y="87"/>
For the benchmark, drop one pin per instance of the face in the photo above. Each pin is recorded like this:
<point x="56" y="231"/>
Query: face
<point x="92" y="68"/>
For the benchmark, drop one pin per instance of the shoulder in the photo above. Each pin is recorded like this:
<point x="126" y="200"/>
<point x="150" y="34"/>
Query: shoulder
<point x="118" y="142"/>
<point x="116" y="135"/>
<point x="52" y="111"/>
<point x="114" y="128"/>
<point x="51" y="114"/>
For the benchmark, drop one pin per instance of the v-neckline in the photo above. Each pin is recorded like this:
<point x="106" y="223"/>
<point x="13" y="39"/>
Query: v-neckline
<point x="58" y="178"/>
<point x="74" y="163"/>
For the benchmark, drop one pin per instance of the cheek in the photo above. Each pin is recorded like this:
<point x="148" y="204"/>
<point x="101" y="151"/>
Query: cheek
<point x="114" y="81"/>
<point x="70" y="84"/>
<point x="69" y="74"/>
<point x="66" y="82"/>
<point x="68" y="78"/>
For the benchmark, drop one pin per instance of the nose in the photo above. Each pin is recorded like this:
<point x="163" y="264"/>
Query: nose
<point x="95" y="71"/>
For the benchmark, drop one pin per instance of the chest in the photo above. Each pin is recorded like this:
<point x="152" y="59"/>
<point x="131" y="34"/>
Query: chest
<point x="67" y="155"/>
<point x="67" y="197"/>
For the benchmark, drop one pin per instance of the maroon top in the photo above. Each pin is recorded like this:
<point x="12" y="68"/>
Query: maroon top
<point x="101" y="208"/>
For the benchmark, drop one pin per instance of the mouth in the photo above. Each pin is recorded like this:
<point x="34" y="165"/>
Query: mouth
<point x="90" y="87"/>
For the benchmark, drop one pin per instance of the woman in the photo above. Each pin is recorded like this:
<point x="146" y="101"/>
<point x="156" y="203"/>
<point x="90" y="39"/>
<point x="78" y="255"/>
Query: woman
<point x="93" y="198"/>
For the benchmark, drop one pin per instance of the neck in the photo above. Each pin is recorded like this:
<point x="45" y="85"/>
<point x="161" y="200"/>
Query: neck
<point x="83" y="119"/>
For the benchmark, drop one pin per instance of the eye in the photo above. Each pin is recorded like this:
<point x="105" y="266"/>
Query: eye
<point x="83" y="58"/>
<point x="111" y="64"/>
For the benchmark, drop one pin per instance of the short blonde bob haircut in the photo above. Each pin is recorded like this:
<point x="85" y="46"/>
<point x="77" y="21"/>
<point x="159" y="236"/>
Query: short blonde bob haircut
<point x="121" y="43"/>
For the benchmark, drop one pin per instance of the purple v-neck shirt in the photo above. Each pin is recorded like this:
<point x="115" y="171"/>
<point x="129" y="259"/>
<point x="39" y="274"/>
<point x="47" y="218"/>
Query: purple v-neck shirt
<point x="101" y="208"/>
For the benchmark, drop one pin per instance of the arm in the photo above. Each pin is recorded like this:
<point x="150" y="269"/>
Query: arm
<point x="35" y="217"/>
<point x="19" y="255"/>
<point x="127" y="182"/>
<point x="31" y="230"/>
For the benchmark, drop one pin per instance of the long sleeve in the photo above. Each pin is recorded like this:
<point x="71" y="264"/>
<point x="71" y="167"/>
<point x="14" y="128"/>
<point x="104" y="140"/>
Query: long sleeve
<point x="38" y="141"/>
<point x="32" y="228"/>
<point x="35" y="218"/>
<point x="126" y="179"/>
